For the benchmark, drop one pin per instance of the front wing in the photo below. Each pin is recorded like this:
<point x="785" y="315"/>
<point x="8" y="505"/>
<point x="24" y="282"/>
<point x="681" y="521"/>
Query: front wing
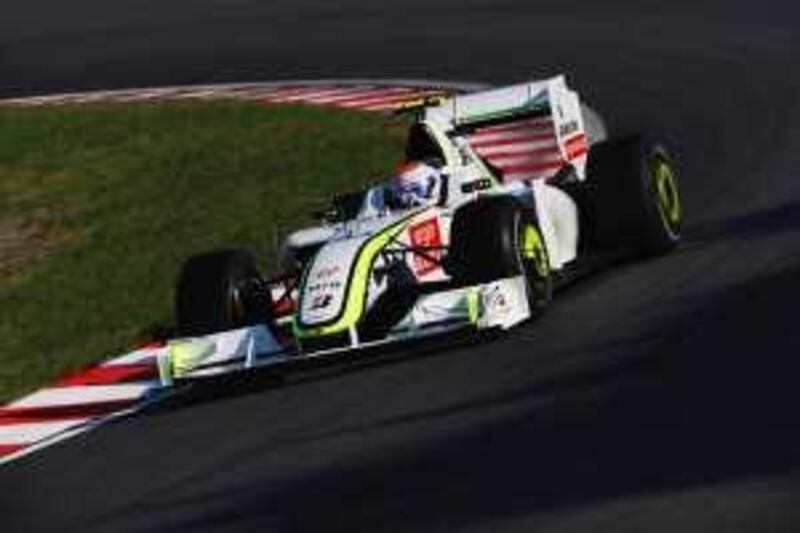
<point x="499" y="304"/>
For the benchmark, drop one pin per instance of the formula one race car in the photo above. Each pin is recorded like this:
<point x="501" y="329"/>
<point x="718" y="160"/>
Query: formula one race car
<point x="504" y="196"/>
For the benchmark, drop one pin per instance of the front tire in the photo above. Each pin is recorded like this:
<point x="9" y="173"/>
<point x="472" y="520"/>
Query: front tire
<point x="500" y="238"/>
<point x="219" y="291"/>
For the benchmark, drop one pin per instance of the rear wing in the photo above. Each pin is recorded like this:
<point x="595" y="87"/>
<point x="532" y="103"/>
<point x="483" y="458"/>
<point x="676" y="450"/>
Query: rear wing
<point x="529" y="131"/>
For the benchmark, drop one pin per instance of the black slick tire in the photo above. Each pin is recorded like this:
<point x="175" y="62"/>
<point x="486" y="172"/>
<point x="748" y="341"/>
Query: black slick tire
<point x="218" y="291"/>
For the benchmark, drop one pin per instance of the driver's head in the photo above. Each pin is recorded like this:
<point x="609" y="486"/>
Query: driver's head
<point x="415" y="184"/>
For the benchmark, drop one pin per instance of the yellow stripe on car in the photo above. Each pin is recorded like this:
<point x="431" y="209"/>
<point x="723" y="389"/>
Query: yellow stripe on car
<point x="359" y="282"/>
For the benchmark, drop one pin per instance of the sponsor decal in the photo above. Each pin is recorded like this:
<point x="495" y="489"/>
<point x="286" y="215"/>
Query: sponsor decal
<point x="477" y="185"/>
<point x="321" y="301"/>
<point x="426" y="234"/>
<point x="324" y="286"/>
<point x="495" y="301"/>
<point x="576" y="146"/>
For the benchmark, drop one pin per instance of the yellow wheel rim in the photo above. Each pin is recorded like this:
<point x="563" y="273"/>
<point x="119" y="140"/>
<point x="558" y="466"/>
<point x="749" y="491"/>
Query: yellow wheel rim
<point x="669" y="203"/>
<point x="533" y="249"/>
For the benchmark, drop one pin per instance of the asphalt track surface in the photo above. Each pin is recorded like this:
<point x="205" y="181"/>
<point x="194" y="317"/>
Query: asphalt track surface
<point x="658" y="396"/>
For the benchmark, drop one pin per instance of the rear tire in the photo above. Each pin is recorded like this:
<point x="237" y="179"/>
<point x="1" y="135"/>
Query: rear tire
<point x="500" y="238"/>
<point x="636" y="202"/>
<point x="219" y="291"/>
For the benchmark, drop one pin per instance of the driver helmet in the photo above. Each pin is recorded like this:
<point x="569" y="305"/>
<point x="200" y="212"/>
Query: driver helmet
<point x="416" y="184"/>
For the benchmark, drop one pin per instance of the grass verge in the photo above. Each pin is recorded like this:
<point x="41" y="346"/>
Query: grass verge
<point x="99" y="205"/>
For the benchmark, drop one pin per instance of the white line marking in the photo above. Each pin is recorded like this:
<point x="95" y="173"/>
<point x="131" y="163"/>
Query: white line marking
<point x="33" y="432"/>
<point x="263" y="85"/>
<point x="84" y="395"/>
<point x="143" y="356"/>
<point x="393" y="102"/>
<point x="311" y="94"/>
<point x="367" y="95"/>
